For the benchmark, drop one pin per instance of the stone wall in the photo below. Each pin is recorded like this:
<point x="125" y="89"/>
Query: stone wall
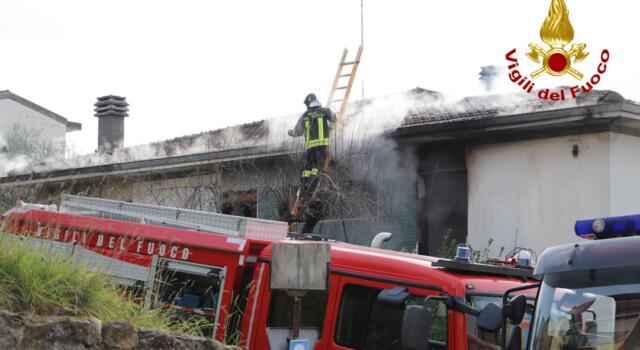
<point x="67" y="333"/>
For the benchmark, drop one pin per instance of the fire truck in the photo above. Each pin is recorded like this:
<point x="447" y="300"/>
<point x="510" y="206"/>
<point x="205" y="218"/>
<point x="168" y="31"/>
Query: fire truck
<point x="589" y="295"/>
<point x="218" y="267"/>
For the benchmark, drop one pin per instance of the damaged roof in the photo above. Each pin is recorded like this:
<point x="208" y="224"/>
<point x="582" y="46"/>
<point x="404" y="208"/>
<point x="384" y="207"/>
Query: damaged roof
<point x="484" y="116"/>
<point x="214" y="139"/>
<point x="430" y="118"/>
<point x="493" y="106"/>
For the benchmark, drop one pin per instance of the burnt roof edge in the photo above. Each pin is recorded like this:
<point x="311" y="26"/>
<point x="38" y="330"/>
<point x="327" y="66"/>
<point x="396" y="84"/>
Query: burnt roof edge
<point x="425" y="132"/>
<point x="146" y="166"/>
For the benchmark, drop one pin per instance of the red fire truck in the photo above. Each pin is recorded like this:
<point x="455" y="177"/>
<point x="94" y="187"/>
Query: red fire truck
<point x="218" y="267"/>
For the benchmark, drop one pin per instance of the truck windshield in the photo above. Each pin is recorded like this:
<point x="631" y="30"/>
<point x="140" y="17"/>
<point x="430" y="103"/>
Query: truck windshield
<point x="595" y="317"/>
<point x="480" y="340"/>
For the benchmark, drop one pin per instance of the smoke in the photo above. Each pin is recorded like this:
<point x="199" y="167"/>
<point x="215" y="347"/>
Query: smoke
<point x="489" y="76"/>
<point x="365" y="130"/>
<point x="241" y="136"/>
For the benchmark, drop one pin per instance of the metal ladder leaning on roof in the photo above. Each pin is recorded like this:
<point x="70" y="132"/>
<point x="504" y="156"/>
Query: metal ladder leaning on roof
<point x="230" y="225"/>
<point x="332" y="100"/>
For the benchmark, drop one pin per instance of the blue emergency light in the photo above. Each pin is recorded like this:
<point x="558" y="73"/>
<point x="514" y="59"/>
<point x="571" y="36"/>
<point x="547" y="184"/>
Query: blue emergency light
<point x="608" y="227"/>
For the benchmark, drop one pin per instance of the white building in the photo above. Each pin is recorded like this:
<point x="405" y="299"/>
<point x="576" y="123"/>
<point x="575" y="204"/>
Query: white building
<point x="50" y="127"/>
<point x="512" y="170"/>
<point x="520" y="173"/>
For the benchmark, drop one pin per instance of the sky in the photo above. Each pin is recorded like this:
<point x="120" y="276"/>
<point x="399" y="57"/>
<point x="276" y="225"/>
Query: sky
<point x="190" y="66"/>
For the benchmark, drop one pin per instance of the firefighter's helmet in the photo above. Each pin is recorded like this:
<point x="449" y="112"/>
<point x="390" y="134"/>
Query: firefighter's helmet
<point x="310" y="98"/>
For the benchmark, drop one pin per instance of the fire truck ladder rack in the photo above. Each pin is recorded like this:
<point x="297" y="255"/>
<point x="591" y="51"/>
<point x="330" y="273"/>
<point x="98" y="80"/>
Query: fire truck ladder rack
<point x="235" y="226"/>
<point x="339" y="84"/>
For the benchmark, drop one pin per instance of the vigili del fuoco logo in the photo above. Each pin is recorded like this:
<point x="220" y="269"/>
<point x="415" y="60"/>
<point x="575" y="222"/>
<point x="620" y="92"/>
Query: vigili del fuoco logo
<point x="557" y="58"/>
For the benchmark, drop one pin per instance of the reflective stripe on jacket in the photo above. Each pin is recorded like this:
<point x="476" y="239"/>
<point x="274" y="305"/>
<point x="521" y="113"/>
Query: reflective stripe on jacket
<point x="315" y="125"/>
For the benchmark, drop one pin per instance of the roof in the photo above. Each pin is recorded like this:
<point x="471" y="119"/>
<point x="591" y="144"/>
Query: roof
<point x="496" y="106"/>
<point x="71" y="126"/>
<point x="490" y="115"/>
<point x="423" y="115"/>
<point x="614" y="253"/>
<point x="246" y="141"/>
<point x="163" y="165"/>
<point x="249" y="134"/>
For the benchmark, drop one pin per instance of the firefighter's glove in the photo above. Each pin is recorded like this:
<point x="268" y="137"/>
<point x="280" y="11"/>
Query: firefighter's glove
<point x="290" y="133"/>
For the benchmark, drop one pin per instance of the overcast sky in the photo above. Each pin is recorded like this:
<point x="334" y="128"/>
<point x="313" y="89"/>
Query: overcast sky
<point x="191" y="66"/>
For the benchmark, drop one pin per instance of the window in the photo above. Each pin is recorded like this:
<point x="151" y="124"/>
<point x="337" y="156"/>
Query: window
<point x="314" y="305"/>
<point x="365" y="323"/>
<point x="192" y="296"/>
<point x="239" y="203"/>
<point x="481" y="340"/>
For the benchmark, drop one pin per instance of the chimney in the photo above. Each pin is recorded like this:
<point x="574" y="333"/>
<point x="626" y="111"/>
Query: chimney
<point x="111" y="111"/>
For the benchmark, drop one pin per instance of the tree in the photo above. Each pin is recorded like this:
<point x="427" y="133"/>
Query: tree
<point x="20" y="148"/>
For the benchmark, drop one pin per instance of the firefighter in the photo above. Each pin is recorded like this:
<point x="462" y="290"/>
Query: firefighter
<point x="315" y="125"/>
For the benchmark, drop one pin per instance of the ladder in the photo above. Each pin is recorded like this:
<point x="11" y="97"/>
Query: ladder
<point x="339" y="95"/>
<point x="345" y="88"/>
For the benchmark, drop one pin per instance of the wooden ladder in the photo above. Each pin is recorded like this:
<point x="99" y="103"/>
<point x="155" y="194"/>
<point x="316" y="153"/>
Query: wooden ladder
<point x="346" y="89"/>
<point x="343" y="91"/>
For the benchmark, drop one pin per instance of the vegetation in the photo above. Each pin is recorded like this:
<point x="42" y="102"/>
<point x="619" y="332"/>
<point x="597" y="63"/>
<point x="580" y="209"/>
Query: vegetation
<point x="50" y="284"/>
<point x="449" y="245"/>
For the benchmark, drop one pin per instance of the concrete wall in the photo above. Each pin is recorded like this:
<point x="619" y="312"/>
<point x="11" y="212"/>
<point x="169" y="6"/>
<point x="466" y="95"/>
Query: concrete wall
<point x="530" y="193"/>
<point x="624" y="173"/>
<point x="50" y="130"/>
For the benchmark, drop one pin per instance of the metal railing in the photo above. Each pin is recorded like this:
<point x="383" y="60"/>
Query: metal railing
<point x="235" y="226"/>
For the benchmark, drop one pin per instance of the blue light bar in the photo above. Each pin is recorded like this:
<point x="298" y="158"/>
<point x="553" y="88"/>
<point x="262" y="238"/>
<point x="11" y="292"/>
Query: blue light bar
<point x="608" y="227"/>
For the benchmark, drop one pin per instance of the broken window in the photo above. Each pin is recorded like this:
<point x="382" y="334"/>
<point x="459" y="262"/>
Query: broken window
<point x="240" y="203"/>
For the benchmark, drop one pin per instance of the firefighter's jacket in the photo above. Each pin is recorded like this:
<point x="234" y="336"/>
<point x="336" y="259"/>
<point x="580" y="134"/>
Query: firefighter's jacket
<point x="315" y="125"/>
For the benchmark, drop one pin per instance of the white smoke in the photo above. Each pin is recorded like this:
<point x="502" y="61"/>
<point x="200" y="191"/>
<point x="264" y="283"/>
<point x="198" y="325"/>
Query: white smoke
<point x="366" y="124"/>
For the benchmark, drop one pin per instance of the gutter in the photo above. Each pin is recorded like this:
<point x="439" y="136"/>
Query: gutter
<point x="593" y="114"/>
<point x="146" y="167"/>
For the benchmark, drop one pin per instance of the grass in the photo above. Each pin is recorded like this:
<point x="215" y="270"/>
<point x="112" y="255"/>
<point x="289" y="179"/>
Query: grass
<point x="32" y="282"/>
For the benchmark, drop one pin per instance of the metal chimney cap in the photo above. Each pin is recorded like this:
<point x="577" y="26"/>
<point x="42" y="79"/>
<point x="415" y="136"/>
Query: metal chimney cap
<point x="107" y="97"/>
<point x="111" y="106"/>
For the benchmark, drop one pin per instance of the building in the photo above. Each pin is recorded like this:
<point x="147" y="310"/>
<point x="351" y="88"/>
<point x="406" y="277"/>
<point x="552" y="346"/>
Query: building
<point x="42" y="125"/>
<point x="494" y="171"/>
<point x="521" y="172"/>
<point x="250" y="170"/>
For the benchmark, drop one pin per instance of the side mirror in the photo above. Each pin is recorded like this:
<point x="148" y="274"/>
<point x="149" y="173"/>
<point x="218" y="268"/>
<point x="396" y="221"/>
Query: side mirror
<point x="416" y="328"/>
<point x="490" y="318"/>
<point x="515" y="309"/>
<point x="515" y="339"/>
<point x="575" y="303"/>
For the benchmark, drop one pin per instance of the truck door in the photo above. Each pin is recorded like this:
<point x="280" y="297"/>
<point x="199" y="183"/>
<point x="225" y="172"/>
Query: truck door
<point x="194" y="291"/>
<point x="361" y="322"/>
<point x="316" y="311"/>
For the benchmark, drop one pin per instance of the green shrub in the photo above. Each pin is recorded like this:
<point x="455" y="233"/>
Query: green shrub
<point x="35" y="282"/>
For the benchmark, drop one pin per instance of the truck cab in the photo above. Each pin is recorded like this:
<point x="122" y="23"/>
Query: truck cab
<point x="369" y="291"/>
<point x="589" y="296"/>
